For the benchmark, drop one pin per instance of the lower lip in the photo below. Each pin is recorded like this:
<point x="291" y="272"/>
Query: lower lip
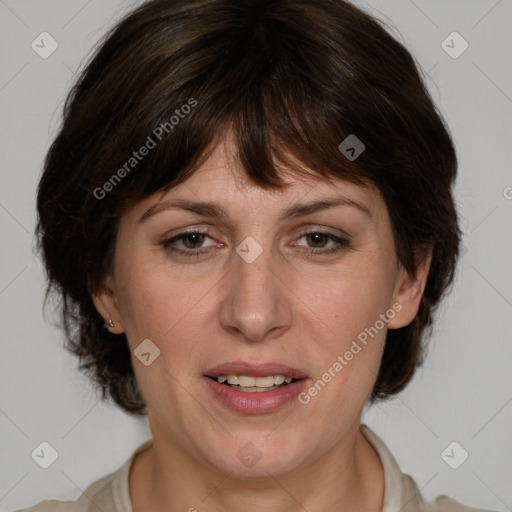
<point x="260" y="402"/>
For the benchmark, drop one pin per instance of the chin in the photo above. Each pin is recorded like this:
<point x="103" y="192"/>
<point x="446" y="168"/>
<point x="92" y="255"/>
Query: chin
<point x="257" y="456"/>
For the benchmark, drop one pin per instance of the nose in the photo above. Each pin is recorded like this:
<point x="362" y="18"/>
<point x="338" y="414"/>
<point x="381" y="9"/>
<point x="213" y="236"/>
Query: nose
<point x="257" y="301"/>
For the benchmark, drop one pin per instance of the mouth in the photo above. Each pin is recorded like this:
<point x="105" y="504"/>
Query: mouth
<point x="255" y="378"/>
<point x="251" y="384"/>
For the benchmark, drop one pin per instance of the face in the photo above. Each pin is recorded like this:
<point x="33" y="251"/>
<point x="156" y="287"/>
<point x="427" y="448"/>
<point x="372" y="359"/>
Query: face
<point x="265" y="290"/>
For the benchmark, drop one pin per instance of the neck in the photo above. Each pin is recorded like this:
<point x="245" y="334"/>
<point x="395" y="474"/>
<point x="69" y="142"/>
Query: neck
<point x="347" y="477"/>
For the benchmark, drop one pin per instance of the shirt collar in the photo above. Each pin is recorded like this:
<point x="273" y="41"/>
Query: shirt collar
<point x="400" y="491"/>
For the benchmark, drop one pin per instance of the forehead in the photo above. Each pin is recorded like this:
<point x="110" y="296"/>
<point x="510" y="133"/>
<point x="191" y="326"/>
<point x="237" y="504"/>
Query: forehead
<point x="222" y="179"/>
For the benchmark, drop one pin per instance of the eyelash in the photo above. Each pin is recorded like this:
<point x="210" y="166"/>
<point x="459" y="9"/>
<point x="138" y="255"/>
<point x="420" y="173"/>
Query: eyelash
<point x="341" y="243"/>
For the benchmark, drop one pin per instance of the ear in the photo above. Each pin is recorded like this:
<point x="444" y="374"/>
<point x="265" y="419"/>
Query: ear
<point x="409" y="289"/>
<point x="105" y="301"/>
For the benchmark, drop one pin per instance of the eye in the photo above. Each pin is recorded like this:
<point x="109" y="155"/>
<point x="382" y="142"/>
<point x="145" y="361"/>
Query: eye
<point x="190" y="241"/>
<point x="319" y="241"/>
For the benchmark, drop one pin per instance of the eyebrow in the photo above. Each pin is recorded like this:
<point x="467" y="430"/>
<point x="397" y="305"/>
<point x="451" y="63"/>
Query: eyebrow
<point x="215" y="211"/>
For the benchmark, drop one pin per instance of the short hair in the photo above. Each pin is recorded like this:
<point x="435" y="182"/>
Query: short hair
<point x="291" y="80"/>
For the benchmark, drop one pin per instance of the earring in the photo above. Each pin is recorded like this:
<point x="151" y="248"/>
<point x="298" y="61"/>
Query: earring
<point x="109" y="323"/>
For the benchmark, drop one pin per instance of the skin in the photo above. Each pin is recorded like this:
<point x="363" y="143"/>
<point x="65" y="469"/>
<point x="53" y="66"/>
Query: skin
<point x="287" y="306"/>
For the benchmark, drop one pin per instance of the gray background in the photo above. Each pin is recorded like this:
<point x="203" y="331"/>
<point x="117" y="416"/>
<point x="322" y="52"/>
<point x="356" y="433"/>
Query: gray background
<point x="462" y="394"/>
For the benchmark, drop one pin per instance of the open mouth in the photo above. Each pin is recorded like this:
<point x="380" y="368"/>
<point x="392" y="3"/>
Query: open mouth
<point x="255" y="388"/>
<point x="249" y="384"/>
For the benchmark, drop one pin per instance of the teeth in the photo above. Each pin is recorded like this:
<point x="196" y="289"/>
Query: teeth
<point x="279" y="379"/>
<point x="246" y="381"/>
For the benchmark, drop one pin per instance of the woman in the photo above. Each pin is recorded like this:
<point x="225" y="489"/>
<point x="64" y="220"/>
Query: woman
<point x="248" y="216"/>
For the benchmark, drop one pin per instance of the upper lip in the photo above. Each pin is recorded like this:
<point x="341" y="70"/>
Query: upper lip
<point x="254" y="370"/>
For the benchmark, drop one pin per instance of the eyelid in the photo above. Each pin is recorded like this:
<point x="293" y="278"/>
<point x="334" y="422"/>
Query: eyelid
<point x="325" y="230"/>
<point x="206" y="230"/>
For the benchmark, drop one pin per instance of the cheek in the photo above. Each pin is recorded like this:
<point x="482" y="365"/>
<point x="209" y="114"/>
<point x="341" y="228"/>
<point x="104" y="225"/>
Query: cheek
<point x="349" y="300"/>
<point x="345" y="321"/>
<point x="158" y="304"/>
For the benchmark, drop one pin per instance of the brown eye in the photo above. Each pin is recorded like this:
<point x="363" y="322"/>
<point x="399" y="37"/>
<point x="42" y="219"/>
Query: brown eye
<point x="189" y="243"/>
<point x="193" y="240"/>
<point x="318" y="241"/>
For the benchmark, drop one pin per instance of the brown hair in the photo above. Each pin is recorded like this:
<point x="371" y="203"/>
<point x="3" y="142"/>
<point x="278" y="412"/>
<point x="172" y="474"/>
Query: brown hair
<point x="292" y="79"/>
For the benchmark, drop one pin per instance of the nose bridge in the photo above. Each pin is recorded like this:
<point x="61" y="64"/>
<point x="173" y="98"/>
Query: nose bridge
<point x="255" y="302"/>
